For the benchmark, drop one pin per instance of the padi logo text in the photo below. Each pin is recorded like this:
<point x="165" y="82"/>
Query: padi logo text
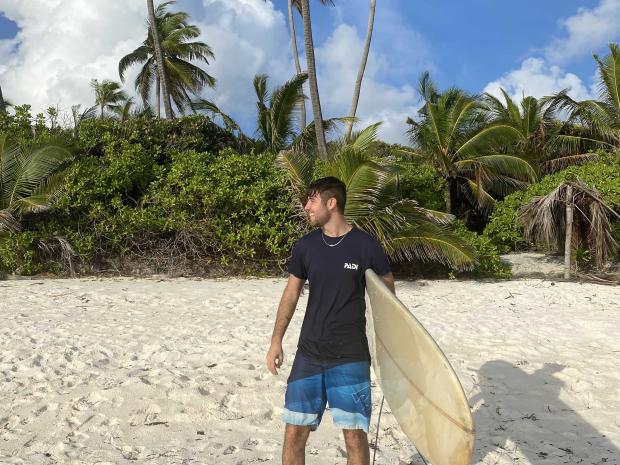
<point x="351" y="266"/>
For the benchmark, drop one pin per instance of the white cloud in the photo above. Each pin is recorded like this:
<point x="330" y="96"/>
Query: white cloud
<point x="248" y="37"/>
<point x="63" y="44"/>
<point x="536" y="78"/>
<point x="587" y="31"/>
<point x="339" y="59"/>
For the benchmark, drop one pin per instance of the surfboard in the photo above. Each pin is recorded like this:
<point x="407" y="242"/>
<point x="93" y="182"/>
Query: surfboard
<point x="419" y="384"/>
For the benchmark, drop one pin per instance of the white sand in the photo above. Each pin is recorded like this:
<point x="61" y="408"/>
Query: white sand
<point x="172" y="372"/>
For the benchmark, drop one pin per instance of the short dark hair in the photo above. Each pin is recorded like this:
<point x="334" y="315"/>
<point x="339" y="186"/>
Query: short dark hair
<point x="329" y="187"/>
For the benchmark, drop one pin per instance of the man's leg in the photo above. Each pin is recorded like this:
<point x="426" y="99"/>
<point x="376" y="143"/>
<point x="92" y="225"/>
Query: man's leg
<point x="294" y="449"/>
<point x="358" y="452"/>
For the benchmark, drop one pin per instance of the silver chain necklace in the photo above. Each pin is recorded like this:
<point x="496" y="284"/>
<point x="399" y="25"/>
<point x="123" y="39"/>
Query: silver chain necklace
<point x="334" y="245"/>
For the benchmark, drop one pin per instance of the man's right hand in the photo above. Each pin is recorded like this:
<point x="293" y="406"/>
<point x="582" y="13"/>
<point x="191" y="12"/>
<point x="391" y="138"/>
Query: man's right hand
<point x="275" y="356"/>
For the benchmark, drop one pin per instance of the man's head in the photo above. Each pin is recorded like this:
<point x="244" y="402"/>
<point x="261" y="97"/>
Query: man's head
<point x="325" y="197"/>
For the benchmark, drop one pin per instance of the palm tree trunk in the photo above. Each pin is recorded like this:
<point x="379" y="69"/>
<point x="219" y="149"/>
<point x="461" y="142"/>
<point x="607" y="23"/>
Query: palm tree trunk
<point x="158" y="94"/>
<point x="314" y="89"/>
<point x="291" y="21"/>
<point x="360" y="73"/>
<point x="569" y="232"/>
<point x="159" y="57"/>
<point x="2" y="105"/>
<point x="453" y="196"/>
<point x="101" y="116"/>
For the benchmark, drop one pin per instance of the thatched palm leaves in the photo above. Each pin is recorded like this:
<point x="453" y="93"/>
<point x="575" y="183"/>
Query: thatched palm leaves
<point x="405" y="230"/>
<point x="29" y="178"/>
<point x="571" y="216"/>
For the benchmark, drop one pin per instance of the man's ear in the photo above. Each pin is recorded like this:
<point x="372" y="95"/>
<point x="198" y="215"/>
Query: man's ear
<point x="332" y="203"/>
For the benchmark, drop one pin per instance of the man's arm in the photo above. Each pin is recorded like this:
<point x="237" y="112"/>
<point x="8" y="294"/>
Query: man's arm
<point x="286" y="309"/>
<point x="388" y="279"/>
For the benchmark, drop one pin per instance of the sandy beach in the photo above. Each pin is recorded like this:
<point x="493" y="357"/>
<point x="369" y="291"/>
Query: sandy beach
<point x="159" y="371"/>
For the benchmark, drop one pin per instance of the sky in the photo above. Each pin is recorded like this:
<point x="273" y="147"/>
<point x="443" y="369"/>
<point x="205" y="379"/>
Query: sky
<point x="50" y="50"/>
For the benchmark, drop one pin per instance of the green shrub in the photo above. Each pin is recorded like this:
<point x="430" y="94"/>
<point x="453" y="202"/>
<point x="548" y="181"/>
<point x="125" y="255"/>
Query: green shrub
<point x="18" y="253"/>
<point x="503" y="229"/>
<point x="419" y="182"/>
<point x="240" y="199"/>
<point x="489" y="264"/>
<point x="159" y="137"/>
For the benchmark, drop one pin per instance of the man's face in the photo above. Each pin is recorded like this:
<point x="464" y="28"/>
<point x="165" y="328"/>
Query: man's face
<point x="317" y="211"/>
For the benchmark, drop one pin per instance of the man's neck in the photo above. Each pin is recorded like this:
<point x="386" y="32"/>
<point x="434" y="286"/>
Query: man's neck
<point x="336" y="227"/>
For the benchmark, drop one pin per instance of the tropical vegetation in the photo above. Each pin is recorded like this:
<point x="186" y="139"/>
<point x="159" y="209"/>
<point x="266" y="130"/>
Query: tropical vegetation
<point x="116" y="187"/>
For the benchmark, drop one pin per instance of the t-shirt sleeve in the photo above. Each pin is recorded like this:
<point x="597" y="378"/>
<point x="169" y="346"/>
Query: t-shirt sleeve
<point x="296" y="265"/>
<point x="379" y="262"/>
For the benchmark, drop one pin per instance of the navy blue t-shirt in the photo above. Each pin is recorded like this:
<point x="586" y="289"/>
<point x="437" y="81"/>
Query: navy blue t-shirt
<point x="334" y="326"/>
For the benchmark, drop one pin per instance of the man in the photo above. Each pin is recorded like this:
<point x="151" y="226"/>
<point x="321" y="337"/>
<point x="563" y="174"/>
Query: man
<point x="332" y="364"/>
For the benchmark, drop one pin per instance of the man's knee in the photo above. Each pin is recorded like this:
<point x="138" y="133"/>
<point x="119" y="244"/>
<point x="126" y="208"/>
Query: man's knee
<point x="296" y="436"/>
<point x="355" y="438"/>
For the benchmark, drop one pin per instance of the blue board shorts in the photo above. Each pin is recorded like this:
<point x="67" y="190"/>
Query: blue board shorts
<point x="313" y="384"/>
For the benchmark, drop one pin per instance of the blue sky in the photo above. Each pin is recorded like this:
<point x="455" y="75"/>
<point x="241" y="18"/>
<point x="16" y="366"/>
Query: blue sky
<point x="531" y="47"/>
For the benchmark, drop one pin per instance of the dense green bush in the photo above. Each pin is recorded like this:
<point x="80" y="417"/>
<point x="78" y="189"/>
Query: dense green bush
<point x="489" y="264"/>
<point x="224" y="208"/>
<point x="239" y="199"/>
<point x="503" y="229"/>
<point x="159" y="137"/>
<point x="418" y="180"/>
<point x="420" y="183"/>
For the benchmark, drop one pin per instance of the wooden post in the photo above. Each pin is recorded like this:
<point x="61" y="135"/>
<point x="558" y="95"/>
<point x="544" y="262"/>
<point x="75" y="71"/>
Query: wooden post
<point x="569" y="232"/>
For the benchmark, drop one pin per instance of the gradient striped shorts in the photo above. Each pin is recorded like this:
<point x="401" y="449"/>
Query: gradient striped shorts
<point x="313" y="384"/>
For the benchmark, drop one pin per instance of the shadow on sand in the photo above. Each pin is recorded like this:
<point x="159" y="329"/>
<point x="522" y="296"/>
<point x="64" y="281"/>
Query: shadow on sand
<point x="522" y="416"/>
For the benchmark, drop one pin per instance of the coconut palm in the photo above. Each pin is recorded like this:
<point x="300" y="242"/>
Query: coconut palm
<point x="159" y="58"/>
<point x="405" y="230"/>
<point x="291" y="21"/>
<point x="278" y="111"/>
<point x="572" y="215"/>
<point x="2" y="104"/>
<point x="362" y="68"/>
<point x="79" y="117"/>
<point x="597" y="121"/>
<point x="29" y="178"/>
<point x="108" y="95"/>
<point x="538" y="126"/>
<point x="452" y="133"/>
<point x="179" y="51"/>
<point x="314" y="89"/>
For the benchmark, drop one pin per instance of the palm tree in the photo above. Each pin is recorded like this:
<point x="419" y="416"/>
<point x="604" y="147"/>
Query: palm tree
<point x="597" y="121"/>
<point x="454" y="136"/>
<point x="2" y="104"/>
<point x="539" y="128"/>
<point x="362" y="68"/>
<point x="291" y="20"/>
<point x="406" y="230"/>
<point x="179" y="50"/>
<point x="277" y="111"/>
<point x="108" y="95"/>
<point x="314" y="90"/>
<point x="572" y="215"/>
<point x="78" y="118"/>
<point x="29" y="178"/>
<point x="159" y="58"/>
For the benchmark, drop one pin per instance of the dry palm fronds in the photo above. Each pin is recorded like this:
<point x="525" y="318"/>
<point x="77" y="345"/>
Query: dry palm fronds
<point x="544" y="220"/>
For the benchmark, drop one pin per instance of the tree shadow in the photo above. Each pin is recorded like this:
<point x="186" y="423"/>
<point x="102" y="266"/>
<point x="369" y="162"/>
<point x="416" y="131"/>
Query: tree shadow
<point x="522" y="415"/>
